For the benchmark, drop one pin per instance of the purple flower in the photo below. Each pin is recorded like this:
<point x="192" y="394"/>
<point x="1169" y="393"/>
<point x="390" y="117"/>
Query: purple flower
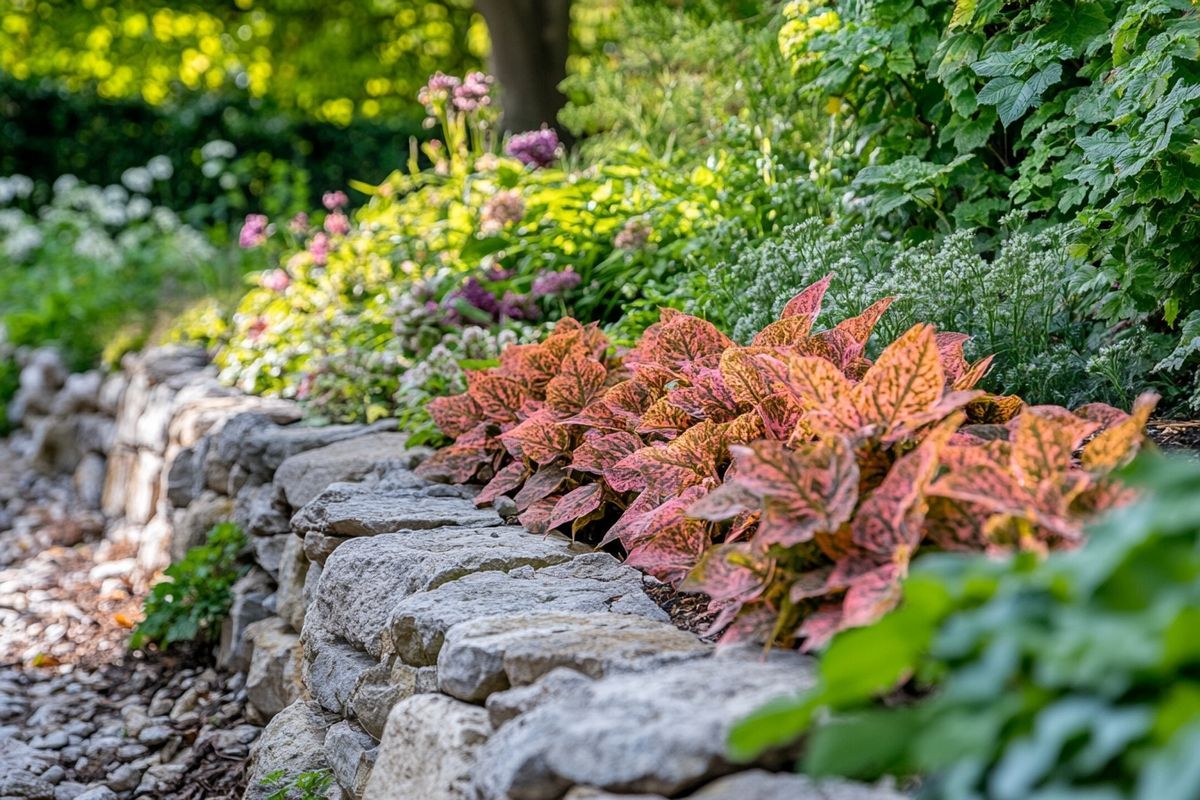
<point x="534" y="148"/>
<point x="633" y="236"/>
<point x="518" y="307"/>
<point x="334" y="200"/>
<point x="500" y="210"/>
<point x="254" y="231"/>
<point x="276" y="280"/>
<point x="474" y="92"/>
<point x="437" y="90"/>
<point x="552" y="283"/>
<point x="318" y="248"/>
<point x="336" y="224"/>
<point x="473" y="293"/>
<point x="499" y="273"/>
<point x="298" y="223"/>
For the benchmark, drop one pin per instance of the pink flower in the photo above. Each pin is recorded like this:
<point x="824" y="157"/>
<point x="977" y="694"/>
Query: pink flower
<point x="501" y="209"/>
<point x="276" y="280"/>
<point x="337" y="224"/>
<point x="334" y="200"/>
<point x="633" y="236"/>
<point x="534" y="148"/>
<point x="437" y="90"/>
<point x="298" y="223"/>
<point x="318" y="248"/>
<point x="474" y="93"/>
<point x="254" y="231"/>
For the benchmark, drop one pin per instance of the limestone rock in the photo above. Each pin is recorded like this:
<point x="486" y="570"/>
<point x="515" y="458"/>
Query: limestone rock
<point x="592" y="583"/>
<point x="506" y="706"/>
<point x="185" y="475"/>
<point x="253" y="600"/>
<point x="89" y="480"/>
<point x="365" y="578"/>
<point x="785" y="786"/>
<point x="362" y="509"/>
<point x="428" y="749"/>
<point x="334" y="673"/>
<point x="490" y="654"/>
<point x="304" y="476"/>
<point x="293" y="742"/>
<point x="273" y="679"/>
<point x="261" y="512"/>
<point x="384" y="685"/>
<point x="351" y="755"/>
<point x="293" y="568"/>
<point x="662" y="731"/>
<point x="319" y="547"/>
<point x="268" y="552"/>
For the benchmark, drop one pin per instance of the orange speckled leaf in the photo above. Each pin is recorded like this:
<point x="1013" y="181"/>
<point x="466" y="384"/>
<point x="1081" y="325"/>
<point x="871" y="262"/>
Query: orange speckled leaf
<point x="810" y="584"/>
<point x="579" y="502"/>
<point x="789" y="330"/>
<point x="458" y="463"/>
<point x="690" y="459"/>
<point x="873" y="594"/>
<point x="973" y="374"/>
<point x="601" y="415"/>
<point x="706" y="397"/>
<point x="504" y="482"/>
<point x="599" y="453"/>
<point x="744" y="429"/>
<point x="543" y="483"/>
<point x="907" y="379"/>
<point x="1117" y="445"/>
<point x="1043" y="439"/>
<point x="686" y="339"/>
<point x="802" y="491"/>
<point x="780" y="415"/>
<point x="818" y="384"/>
<point x="994" y="409"/>
<point x="578" y="382"/>
<point x="672" y="551"/>
<point x="455" y="415"/>
<point x="861" y="327"/>
<point x="536" y="517"/>
<point x="955" y="525"/>
<point x="808" y="302"/>
<point x="820" y="626"/>
<point x="540" y="439"/>
<point x="531" y="365"/>
<point x="950" y="350"/>
<point x="637" y="394"/>
<point x="499" y="398"/>
<point x="1102" y="413"/>
<point x="663" y="419"/>
<point x="892" y="514"/>
<point x="744" y="375"/>
<point x="729" y="573"/>
<point x="725" y="502"/>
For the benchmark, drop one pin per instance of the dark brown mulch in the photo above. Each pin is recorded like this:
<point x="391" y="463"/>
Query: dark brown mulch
<point x="688" y="611"/>
<point x="1176" y="435"/>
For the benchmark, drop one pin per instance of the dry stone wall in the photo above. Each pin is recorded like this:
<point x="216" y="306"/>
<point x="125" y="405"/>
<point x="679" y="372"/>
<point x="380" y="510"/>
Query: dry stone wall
<point x="394" y="634"/>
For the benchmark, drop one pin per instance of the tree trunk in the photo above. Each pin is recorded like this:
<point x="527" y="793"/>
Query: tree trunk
<point x="529" y="58"/>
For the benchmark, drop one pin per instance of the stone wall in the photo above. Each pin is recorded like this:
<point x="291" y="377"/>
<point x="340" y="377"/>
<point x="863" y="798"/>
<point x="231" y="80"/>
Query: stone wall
<point x="393" y="633"/>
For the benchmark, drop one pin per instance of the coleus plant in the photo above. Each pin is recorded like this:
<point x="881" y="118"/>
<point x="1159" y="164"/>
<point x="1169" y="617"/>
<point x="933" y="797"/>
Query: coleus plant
<point x="790" y="480"/>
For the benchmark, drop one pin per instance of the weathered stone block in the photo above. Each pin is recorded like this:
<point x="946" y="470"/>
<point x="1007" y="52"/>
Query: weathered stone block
<point x="302" y="477"/>
<point x="361" y="509"/>
<point x="293" y="742"/>
<point x="332" y="675"/>
<point x="351" y="755"/>
<point x="383" y="686"/>
<point x="273" y="680"/>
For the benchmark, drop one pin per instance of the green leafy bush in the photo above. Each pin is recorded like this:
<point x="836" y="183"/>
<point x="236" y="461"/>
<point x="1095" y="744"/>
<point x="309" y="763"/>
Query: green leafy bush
<point x="313" y="784"/>
<point x="1076" y="111"/>
<point x="1069" y="677"/>
<point x="93" y="262"/>
<point x="1015" y="301"/>
<point x="193" y="603"/>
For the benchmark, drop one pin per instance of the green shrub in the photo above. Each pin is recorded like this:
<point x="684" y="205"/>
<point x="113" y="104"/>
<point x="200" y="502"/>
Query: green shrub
<point x="1069" y="677"/>
<point x="313" y="784"/>
<point x="193" y="603"/>
<point x="1083" y="111"/>
<point x="92" y="263"/>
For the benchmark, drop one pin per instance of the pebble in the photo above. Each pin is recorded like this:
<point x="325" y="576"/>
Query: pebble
<point x="55" y="740"/>
<point x="154" y="734"/>
<point x="123" y="778"/>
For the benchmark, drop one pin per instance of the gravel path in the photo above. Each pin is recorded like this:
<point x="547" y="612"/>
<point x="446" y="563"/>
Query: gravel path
<point x="80" y="715"/>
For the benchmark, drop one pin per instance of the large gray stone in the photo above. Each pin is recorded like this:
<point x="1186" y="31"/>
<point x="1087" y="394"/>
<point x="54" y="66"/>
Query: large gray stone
<point x="292" y="743"/>
<point x="592" y="583"/>
<point x="261" y="512"/>
<point x="384" y="685"/>
<point x="268" y="552"/>
<point x="365" y="578"/>
<point x="781" y="786"/>
<point x="428" y="749"/>
<point x="319" y="547"/>
<point x="253" y="600"/>
<point x="757" y="784"/>
<point x="304" y="476"/>
<point x="351" y="755"/>
<point x="662" y="731"/>
<point x="490" y="654"/>
<point x="185" y="474"/>
<point x="293" y="569"/>
<point x="273" y="681"/>
<point x="334" y="673"/>
<point x="362" y="509"/>
<point x="503" y="707"/>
